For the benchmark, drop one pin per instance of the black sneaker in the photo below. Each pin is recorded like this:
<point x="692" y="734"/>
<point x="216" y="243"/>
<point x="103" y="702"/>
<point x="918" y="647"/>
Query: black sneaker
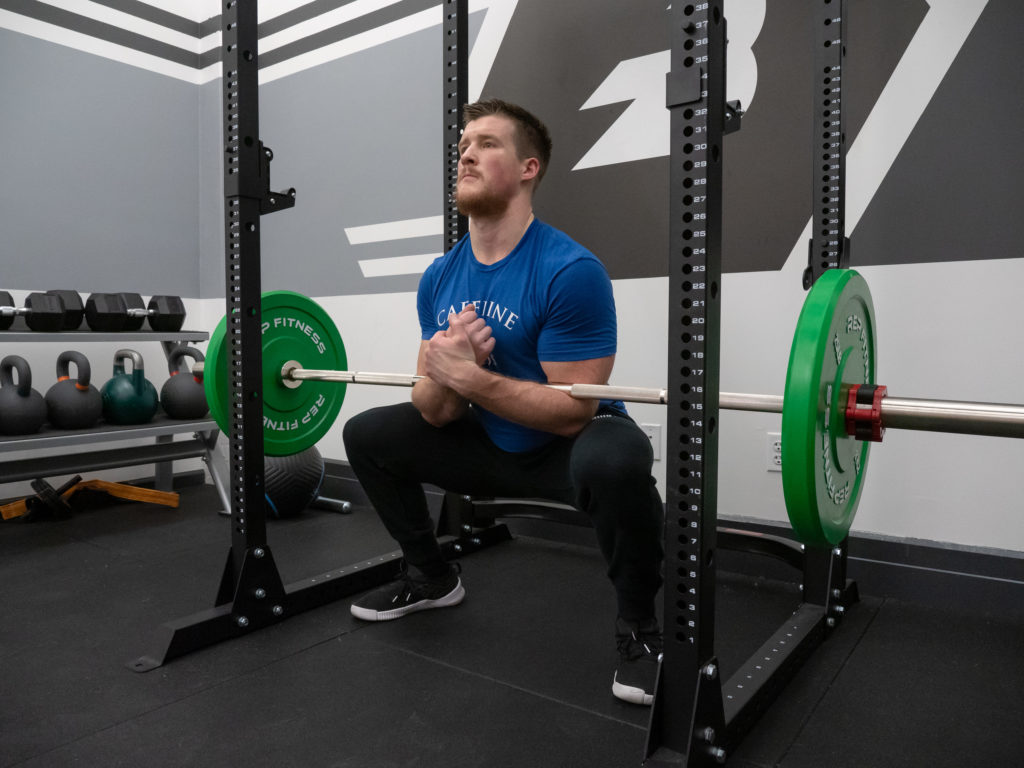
<point x="639" y="654"/>
<point x="410" y="593"/>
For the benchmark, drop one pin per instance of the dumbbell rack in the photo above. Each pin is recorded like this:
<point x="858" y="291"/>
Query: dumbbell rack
<point x="163" y="452"/>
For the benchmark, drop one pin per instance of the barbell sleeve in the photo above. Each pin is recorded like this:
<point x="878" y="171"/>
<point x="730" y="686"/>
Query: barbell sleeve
<point x="736" y="401"/>
<point x="991" y="419"/>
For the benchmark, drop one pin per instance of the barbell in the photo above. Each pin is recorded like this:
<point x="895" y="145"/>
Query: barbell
<point x="831" y="409"/>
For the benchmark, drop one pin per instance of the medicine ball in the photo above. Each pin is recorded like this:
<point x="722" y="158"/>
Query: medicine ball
<point x="292" y="482"/>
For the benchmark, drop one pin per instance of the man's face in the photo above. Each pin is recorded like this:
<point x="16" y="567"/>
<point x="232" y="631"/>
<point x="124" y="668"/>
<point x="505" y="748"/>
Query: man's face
<point x="490" y="170"/>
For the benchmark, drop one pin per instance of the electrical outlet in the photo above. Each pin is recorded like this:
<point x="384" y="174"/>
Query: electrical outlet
<point x="653" y="432"/>
<point x="773" y="452"/>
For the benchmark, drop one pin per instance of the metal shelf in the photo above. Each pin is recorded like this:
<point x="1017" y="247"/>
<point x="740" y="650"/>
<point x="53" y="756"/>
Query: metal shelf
<point x="61" y="438"/>
<point x="77" y="336"/>
<point x="161" y="429"/>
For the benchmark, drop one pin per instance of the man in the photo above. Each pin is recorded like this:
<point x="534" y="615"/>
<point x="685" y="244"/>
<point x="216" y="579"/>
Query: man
<point x="513" y="305"/>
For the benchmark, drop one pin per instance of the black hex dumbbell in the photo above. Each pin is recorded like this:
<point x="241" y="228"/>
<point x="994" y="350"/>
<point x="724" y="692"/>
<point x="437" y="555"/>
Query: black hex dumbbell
<point x="42" y="312"/>
<point x="74" y="312"/>
<point x="164" y="313"/>
<point x="125" y="312"/>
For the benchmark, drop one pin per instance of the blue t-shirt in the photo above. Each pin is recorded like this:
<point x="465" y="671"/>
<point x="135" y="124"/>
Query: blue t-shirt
<point x="550" y="299"/>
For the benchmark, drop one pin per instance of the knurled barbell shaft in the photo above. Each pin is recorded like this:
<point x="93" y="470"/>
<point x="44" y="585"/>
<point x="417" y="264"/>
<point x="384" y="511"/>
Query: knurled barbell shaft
<point x="970" y="418"/>
<point x="350" y="377"/>
<point x="578" y="391"/>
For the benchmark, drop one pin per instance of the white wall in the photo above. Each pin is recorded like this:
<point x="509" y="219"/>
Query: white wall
<point x="946" y="331"/>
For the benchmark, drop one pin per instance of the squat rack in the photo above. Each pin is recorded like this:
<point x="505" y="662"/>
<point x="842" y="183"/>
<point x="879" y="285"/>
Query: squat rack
<point x="696" y="719"/>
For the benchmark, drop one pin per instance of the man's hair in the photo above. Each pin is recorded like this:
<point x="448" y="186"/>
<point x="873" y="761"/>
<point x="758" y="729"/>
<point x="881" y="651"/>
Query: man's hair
<point x="531" y="135"/>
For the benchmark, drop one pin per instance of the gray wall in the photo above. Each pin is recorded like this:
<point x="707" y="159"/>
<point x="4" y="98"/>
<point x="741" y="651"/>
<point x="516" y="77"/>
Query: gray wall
<point x="112" y="172"/>
<point x="100" y="173"/>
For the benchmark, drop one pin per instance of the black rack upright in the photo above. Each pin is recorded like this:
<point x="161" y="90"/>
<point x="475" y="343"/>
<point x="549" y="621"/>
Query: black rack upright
<point x="828" y="247"/>
<point x="455" y="67"/>
<point x="698" y="718"/>
<point x="243" y="193"/>
<point x="696" y="101"/>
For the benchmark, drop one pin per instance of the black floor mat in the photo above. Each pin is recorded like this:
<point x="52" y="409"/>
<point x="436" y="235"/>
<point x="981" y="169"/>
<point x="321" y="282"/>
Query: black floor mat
<point x="518" y="675"/>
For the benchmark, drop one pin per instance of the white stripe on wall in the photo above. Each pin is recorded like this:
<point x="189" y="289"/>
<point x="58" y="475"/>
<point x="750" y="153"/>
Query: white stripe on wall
<point x="129" y="23"/>
<point x="270" y="10"/>
<point x="417" y="22"/>
<point x="66" y="37"/>
<point x="330" y="19"/>
<point x="488" y="40"/>
<point x="397" y="265"/>
<point x="196" y="10"/>
<point x="395" y="230"/>
<point x="485" y="49"/>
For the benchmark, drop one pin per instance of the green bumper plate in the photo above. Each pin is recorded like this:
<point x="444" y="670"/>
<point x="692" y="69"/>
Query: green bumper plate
<point x="833" y="348"/>
<point x="295" y="328"/>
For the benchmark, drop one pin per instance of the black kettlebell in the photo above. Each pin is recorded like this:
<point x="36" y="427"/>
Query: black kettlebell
<point x="129" y="398"/>
<point x="22" y="409"/>
<point x="73" y="403"/>
<point x="183" y="395"/>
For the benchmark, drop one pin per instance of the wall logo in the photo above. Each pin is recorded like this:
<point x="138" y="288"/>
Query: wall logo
<point x="602" y="95"/>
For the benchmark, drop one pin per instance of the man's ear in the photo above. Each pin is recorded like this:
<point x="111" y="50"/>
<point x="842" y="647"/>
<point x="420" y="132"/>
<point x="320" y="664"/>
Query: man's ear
<point x="531" y="167"/>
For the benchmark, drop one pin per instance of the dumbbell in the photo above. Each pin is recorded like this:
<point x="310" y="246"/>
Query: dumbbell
<point x="74" y="311"/>
<point x="42" y="312"/>
<point x="126" y="312"/>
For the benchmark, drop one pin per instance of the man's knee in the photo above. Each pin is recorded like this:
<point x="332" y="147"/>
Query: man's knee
<point x="611" y="455"/>
<point x="376" y="428"/>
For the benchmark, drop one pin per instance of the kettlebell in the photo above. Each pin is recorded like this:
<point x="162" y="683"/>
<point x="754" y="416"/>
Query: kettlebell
<point x="73" y="403"/>
<point x="183" y="395"/>
<point x="22" y="409"/>
<point x="129" y="398"/>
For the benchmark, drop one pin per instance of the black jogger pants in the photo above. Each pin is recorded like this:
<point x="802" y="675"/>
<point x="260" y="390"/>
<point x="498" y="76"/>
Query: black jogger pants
<point x="604" y="471"/>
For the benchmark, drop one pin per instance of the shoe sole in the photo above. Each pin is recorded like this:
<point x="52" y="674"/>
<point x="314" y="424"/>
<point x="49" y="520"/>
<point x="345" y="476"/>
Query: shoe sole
<point x="452" y="598"/>
<point x="630" y="693"/>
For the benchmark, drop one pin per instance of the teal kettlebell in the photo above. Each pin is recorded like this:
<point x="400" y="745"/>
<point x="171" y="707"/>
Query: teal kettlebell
<point x="129" y="398"/>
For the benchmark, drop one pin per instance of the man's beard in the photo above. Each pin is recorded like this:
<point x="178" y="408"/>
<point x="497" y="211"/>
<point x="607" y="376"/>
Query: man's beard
<point x="480" y="203"/>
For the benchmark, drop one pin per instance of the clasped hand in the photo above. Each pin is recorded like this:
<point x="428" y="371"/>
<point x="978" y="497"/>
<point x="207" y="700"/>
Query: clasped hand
<point x="467" y="340"/>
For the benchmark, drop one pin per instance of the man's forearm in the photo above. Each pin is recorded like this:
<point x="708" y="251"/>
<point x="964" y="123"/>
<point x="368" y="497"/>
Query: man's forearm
<point x="528" y="403"/>
<point x="437" y="404"/>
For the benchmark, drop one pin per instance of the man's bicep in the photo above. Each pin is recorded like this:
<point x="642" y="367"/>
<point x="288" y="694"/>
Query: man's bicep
<point x="594" y="371"/>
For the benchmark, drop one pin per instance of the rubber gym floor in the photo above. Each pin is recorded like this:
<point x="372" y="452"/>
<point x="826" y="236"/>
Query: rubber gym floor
<point x="518" y="675"/>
